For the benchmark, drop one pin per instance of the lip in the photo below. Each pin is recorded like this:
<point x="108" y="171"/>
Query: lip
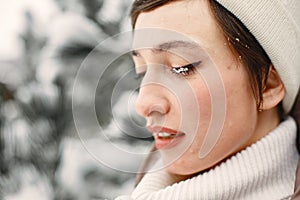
<point x="166" y="143"/>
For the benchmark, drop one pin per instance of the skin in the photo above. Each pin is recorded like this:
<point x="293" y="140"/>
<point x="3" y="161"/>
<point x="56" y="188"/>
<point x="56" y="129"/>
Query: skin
<point x="165" y="105"/>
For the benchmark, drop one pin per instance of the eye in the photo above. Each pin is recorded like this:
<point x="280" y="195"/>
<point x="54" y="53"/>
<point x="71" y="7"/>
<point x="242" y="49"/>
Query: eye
<point x="186" y="69"/>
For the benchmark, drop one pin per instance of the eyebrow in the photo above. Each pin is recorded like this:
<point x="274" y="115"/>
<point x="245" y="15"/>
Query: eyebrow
<point x="166" y="46"/>
<point x="176" y="44"/>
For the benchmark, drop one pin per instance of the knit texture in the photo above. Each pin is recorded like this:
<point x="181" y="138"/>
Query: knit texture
<point x="265" y="170"/>
<point x="276" y="25"/>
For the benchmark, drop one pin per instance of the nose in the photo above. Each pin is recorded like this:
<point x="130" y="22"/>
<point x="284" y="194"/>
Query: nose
<point x="152" y="98"/>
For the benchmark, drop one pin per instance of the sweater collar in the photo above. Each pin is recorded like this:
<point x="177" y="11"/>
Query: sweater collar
<point x="264" y="170"/>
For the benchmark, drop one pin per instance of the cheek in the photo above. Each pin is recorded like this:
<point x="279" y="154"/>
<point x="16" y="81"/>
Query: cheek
<point x="205" y="109"/>
<point x="241" y="104"/>
<point x="199" y="121"/>
<point x="241" y="114"/>
<point x="189" y="162"/>
<point x="238" y="127"/>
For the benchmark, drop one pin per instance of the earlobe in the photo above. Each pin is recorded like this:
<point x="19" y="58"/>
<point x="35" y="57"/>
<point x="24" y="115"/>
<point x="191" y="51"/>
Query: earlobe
<point x="274" y="90"/>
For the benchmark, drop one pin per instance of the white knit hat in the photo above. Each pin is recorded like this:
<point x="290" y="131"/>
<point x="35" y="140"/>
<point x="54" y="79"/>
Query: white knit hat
<point x="276" y="26"/>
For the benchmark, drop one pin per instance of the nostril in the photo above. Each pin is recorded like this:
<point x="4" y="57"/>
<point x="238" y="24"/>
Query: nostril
<point x="160" y="108"/>
<point x="147" y="108"/>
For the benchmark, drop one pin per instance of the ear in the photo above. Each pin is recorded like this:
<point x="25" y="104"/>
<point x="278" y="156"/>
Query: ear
<point x="274" y="90"/>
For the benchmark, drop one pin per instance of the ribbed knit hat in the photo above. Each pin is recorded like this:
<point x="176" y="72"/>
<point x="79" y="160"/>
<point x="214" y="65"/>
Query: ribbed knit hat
<point x="276" y="26"/>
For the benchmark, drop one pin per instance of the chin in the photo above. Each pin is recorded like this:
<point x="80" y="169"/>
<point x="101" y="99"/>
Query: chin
<point x="188" y="167"/>
<point x="182" y="170"/>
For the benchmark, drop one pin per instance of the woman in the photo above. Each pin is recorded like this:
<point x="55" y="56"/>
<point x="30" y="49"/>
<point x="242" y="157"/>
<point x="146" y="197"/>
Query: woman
<point x="233" y="140"/>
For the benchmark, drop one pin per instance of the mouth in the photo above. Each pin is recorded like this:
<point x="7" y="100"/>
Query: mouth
<point x="164" y="135"/>
<point x="166" y="138"/>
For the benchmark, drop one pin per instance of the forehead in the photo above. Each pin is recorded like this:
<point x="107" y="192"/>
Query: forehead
<point x="191" y="19"/>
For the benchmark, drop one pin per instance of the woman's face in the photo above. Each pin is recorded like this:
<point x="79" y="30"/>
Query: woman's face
<point x="181" y="103"/>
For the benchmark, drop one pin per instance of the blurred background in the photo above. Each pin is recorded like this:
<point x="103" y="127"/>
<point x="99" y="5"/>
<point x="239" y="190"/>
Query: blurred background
<point x="43" y="44"/>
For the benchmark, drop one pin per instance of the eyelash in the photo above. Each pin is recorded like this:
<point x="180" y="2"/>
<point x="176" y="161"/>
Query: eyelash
<point x="185" y="70"/>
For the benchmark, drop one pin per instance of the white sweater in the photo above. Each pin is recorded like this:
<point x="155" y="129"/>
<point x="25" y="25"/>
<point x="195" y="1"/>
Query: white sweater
<point x="265" y="170"/>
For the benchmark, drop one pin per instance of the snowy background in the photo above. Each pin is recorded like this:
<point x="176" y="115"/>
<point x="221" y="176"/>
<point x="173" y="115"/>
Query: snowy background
<point x="42" y="156"/>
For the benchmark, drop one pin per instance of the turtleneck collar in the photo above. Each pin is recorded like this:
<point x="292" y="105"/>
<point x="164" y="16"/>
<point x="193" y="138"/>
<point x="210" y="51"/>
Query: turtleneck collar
<point x="264" y="170"/>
